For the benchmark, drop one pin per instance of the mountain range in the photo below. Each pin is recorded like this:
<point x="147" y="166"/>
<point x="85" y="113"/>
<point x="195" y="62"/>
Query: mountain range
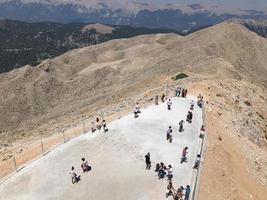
<point x="24" y="43"/>
<point x="30" y="43"/>
<point x="170" y="16"/>
<point x="90" y="76"/>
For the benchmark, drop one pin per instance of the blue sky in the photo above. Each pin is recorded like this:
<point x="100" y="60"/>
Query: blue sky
<point x="248" y="4"/>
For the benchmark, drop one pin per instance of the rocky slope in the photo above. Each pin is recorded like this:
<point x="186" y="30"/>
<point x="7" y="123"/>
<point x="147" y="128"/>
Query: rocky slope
<point x="226" y="62"/>
<point x="257" y="26"/>
<point x="95" y="75"/>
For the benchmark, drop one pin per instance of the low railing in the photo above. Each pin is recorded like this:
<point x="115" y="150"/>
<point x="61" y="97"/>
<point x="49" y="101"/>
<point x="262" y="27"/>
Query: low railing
<point x="16" y="159"/>
<point x="198" y="172"/>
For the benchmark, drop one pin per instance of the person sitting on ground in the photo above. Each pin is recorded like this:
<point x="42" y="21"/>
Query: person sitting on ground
<point x="85" y="167"/>
<point x="169" y="104"/>
<point x="181" y="126"/>
<point x="74" y="177"/>
<point x="187" y="192"/>
<point x="157" y="167"/>
<point x="148" y="161"/>
<point x="184" y="155"/>
<point x="197" y="162"/>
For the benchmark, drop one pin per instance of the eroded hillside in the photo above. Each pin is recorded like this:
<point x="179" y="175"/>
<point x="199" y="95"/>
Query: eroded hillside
<point x="226" y="62"/>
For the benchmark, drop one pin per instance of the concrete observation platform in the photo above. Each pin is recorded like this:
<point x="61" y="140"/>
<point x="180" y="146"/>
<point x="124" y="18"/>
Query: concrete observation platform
<point x="117" y="160"/>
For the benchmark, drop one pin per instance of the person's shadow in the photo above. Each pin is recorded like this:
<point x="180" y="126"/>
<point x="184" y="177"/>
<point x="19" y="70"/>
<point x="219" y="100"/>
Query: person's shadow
<point x="88" y="169"/>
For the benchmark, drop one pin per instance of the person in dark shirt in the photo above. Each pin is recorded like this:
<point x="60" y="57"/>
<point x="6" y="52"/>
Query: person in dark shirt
<point x="148" y="161"/>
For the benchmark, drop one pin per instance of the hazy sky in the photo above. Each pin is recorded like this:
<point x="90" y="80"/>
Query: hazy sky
<point x="228" y="3"/>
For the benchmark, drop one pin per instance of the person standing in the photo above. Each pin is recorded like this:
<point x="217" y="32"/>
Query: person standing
<point x="184" y="155"/>
<point x="137" y="107"/>
<point x="157" y="100"/>
<point x="169" y="104"/>
<point x="185" y="93"/>
<point x="104" y="124"/>
<point x="136" y="113"/>
<point x="163" y="98"/>
<point x="197" y="162"/>
<point x="169" y="173"/>
<point x="181" y="126"/>
<point x="148" y="161"/>
<point x="187" y="192"/>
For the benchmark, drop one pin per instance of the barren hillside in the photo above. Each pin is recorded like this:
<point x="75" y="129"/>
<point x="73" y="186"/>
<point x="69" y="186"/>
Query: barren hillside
<point x="91" y="76"/>
<point x="226" y="62"/>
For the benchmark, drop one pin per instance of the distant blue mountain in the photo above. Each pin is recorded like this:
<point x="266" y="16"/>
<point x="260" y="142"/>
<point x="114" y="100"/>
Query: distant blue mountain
<point x="165" y="17"/>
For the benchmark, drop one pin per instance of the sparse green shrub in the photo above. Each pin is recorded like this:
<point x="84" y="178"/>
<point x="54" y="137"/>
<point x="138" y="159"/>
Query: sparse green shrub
<point x="180" y="76"/>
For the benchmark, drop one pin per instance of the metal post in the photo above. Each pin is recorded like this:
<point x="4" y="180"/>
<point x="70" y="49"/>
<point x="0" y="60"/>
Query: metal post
<point x="42" y="147"/>
<point x="15" y="164"/>
<point x="118" y="113"/>
<point x="167" y="89"/>
<point x="132" y="106"/>
<point x="84" y="131"/>
<point x="64" y="138"/>
<point x="102" y="115"/>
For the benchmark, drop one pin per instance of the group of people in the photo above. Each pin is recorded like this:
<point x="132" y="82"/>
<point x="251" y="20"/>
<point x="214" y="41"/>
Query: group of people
<point x="180" y="92"/>
<point x="164" y="171"/>
<point x="162" y="98"/>
<point x="85" y="168"/>
<point x="97" y="125"/>
<point x="178" y="194"/>
<point x="161" y="169"/>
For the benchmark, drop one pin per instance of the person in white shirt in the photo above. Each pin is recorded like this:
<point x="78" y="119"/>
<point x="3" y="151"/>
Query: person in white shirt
<point x="169" y="173"/>
<point x="197" y="162"/>
<point x="74" y="177"/>
<point x="192" y="105"/>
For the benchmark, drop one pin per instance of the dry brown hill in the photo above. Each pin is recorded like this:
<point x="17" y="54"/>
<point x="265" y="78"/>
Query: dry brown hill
<point x="99" y="74"/>
<point x="226" y="62"/>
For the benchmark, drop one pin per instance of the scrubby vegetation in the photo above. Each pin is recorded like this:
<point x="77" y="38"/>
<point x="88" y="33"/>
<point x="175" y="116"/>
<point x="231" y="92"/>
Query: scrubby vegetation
<point x="180" y="76"/>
